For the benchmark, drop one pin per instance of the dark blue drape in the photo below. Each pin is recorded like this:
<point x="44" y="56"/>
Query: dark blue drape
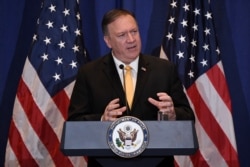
<point x="18" y="21"/>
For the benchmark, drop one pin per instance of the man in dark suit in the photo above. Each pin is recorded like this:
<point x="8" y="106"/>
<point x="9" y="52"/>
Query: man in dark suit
<point x="99" y="94"/>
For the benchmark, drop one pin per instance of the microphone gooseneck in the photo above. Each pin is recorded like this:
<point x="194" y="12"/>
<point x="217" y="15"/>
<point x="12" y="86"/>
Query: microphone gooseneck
<point x="121" y="66"/>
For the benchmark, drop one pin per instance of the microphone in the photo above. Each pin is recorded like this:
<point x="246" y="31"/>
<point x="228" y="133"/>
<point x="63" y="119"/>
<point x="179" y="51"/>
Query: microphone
<point x="121" y="66"/>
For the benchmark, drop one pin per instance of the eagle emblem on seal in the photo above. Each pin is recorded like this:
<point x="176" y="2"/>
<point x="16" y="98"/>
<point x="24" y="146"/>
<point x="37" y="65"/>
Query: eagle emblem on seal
<point x="127" y="137"/>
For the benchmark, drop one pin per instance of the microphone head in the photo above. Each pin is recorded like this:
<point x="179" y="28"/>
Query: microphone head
<point x="121" y="66"/>
<point x="143" y="69"/>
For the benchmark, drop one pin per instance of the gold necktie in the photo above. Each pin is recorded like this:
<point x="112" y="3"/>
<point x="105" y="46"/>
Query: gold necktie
<point x="129" y="87"/>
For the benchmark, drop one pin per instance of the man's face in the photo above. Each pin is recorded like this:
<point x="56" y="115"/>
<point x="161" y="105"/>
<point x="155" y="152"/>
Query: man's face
<point x="124" y="38"/>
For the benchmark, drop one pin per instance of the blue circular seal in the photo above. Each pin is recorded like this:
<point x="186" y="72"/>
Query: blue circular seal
<point x="127" y="137"/>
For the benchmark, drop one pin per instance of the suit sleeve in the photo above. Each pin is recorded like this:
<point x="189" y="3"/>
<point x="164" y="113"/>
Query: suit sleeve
<point x="181" y="103"/>
<point x="79" y="107"/>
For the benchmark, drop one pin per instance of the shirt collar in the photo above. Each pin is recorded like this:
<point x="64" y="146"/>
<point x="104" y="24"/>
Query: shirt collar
<point x="133" y="64"/>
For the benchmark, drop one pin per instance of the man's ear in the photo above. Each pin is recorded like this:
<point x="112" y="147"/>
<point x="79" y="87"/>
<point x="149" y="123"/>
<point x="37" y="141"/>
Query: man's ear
<point x="106" y="39"/>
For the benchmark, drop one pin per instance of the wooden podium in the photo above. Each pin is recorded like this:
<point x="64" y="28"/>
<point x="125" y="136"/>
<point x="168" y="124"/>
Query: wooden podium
<point x="89" y="138"/>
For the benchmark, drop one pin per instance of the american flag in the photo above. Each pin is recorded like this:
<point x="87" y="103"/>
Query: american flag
<point x="190" y="43"/>
<point x="45" y="87"/>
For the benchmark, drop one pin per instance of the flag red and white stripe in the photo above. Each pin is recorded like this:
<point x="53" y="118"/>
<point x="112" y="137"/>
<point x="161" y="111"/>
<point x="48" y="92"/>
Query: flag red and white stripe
<point x="44" y="90"/>
<point x="191" y="44"/>
<point x="214" y="124"/>
<point x="36" y="127"/>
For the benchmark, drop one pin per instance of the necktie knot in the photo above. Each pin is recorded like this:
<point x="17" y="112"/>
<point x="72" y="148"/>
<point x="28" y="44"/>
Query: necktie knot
<point x="128" y="68"/>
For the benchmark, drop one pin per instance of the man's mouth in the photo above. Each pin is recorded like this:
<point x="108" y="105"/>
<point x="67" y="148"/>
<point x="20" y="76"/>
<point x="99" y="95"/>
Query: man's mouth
<point x="132" y="47"/>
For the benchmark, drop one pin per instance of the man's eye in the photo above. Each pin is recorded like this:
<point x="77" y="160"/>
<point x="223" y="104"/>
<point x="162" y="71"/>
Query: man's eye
<point x="121" y="35"/>
<point x="135" y="31"/>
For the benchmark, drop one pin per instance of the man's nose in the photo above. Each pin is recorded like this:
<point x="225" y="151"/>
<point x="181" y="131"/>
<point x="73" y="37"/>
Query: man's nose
<point x="130" y="37"/>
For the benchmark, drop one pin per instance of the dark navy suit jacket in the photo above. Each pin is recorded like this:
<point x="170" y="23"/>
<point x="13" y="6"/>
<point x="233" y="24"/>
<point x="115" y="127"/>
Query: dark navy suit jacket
<point x="98" y="83"/>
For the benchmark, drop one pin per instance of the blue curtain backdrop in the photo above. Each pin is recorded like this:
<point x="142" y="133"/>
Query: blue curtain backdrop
<point x="18" y="23"/>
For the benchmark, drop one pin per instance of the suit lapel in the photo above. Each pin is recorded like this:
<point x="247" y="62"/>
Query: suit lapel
<point x="142" y="76"/>
<point x="112" y="75"/>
